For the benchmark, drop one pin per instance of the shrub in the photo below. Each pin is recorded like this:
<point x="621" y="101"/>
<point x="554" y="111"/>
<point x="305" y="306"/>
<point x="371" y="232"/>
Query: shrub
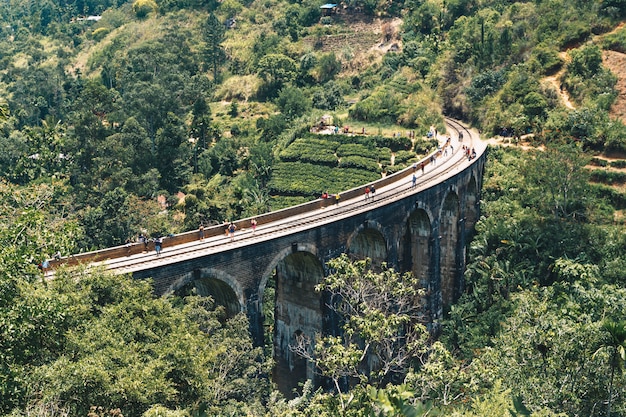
<point x="359" y="162"/>
<point x="618" y="164"/>
<point x="305" y="179"/>
<point x="615" y="41"/>
<point x="599" y="162"/>
<point x="292" y="102"/>
<point x="382" y="106"/>
<point x="142" y="8"/>
<point x="425" y="146"/>
<point x="396" y="143"/>
<point x="403" y="156"/>
<point x="548" y="59"/>
<point x="394" y="168"/>
<point x="239" y="87"/>
<point x="616" y="198"/>
<point x="311" y="150"/>
<point x="99" y="34"/>
<point x="328" y="97"/>
<point x="485" y="84"/>
<point x="357" y="149"/>
<point x="608" y="177"/>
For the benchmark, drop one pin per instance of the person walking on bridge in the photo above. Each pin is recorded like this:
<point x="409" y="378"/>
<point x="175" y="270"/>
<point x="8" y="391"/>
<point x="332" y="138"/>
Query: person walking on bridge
<point x="158" y="242"/>
<point x="231" y="231"/>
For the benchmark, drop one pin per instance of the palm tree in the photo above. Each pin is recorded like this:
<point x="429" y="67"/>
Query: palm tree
<point x="616" y="342"/>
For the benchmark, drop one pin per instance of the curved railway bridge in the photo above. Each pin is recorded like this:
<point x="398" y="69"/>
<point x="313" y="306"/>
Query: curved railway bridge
<point x="422" y="228"/>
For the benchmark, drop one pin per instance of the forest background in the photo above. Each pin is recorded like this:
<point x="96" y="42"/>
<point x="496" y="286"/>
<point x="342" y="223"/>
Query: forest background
<point x="157" y="116"/>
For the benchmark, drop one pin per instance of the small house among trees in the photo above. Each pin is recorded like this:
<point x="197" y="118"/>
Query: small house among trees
<point x="328" y="9"/>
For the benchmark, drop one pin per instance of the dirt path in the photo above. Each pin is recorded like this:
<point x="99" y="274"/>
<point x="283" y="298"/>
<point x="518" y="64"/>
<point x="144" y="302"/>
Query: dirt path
<point x="554" y="80"/>
<point x="616" y="62"/>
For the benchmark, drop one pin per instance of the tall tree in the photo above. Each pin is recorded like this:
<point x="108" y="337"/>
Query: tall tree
<point x="383" y="331"/>
<point x="559" y="175"/>
<point x="214" y="54"/>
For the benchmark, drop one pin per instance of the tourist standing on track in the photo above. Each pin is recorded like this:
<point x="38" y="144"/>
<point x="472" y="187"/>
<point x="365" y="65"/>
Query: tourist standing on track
<point x="231" y="231"/>
<point x="144" y="241"/>
<point x="414" y="181"/>
<point x="367" y="192"/>
<point x="158" y="242"/>
<point x="373" y="191"/>
<point x="253" y="225"/>
<point x="201" y="231"/>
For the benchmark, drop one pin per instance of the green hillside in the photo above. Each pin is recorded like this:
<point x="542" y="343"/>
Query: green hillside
<point x="119" y="118"/>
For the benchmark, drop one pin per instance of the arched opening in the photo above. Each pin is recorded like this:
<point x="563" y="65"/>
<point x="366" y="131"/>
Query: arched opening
<point x="369" y="243"/>
<point x="220" y="291"/>
<point x="448" y="244"/>
<point x="471" y="206"/>
<point x="419" y="233"/>
<point x="298" y="313"/>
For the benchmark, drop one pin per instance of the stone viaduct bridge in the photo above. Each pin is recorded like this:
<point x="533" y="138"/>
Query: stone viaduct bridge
<point x="422" y="228"/>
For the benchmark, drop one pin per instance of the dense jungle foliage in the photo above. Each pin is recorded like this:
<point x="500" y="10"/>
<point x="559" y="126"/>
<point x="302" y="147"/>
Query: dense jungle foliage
<point x="153" y="116"/>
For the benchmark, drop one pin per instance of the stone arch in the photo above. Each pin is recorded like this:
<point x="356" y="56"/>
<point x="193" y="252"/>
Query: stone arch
<point x="299" y="310"/>
<point x="471" y="204"/>
<point x="368" y="241"/>
<point x="419" y="237"/>
<point x="271" y="267"/>
<point x="224" y="289"/>
<point x="448" y="247"/>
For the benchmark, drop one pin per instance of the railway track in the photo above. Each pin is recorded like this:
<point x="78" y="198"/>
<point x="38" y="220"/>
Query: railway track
<point x="397" y="186"/>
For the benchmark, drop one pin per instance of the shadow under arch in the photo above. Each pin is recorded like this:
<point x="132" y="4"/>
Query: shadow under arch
<point x="418" y="246"/>
<point x="223" y="288"/>
<point x="448" y="247"/>
<point x="299" y="312"/>
<point x="471" y="205"/>
<point x="368" y="241"/>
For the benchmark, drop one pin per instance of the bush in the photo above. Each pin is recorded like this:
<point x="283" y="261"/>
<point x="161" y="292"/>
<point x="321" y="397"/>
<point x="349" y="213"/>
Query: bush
<point x="394" y="168"/>
<point x="311" y="150"/>
<point x="615" y="41"/>
<point x="99" y="34"/>
<point x="425" y="146"/>
<point x="328" y="97"/>
<point x="608" y="177"/>
<point x="305" y="179"/>
<point x="599" y="162"/>
<point x="616" y="198"/>
<point x="396" y="143"/>
<point x="292" y="102"/>
<point x="485" y="84"/>
<point x="142" y="8"/>
<point x="359" y="162"/>
<point x="618" y="164"/>
<point x="357" y="149"/>
<point x="403" y="156"/>
<point x="383" y="106"/>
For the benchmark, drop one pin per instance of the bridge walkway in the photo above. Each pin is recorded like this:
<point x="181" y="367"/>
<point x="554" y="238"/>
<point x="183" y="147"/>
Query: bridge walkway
<point x="327" y="212"/>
